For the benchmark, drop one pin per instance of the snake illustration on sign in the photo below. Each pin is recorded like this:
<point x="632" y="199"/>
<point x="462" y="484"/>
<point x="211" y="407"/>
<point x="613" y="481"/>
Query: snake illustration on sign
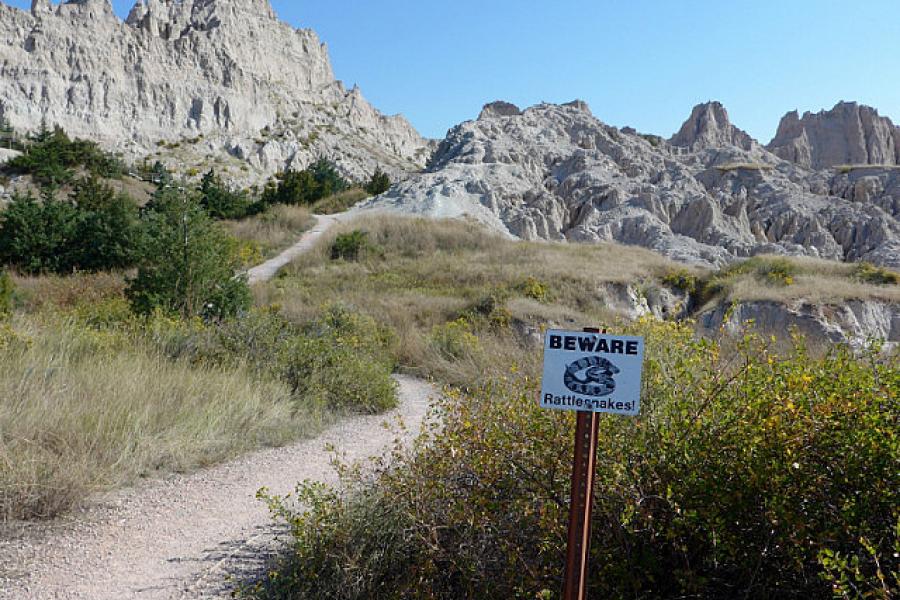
<point x="598" y="378"/>
<point x="592" y="372"/>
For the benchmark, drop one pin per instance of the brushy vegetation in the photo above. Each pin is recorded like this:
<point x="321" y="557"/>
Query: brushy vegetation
<point x="94" y="396"/>
<point x="379" y="183"/>
<point x="748" y="474"/>
<point x="270" y="232"/>
<point x="223" y="202"/>
<point x="187" y="262"/>
<point x="52" y="158"/>
<point x="93" y="229"/>
<point x="306" y="187"/>
<point x="339" y="202"/>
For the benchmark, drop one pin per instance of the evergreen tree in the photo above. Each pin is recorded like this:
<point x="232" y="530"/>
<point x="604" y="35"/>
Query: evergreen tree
<point x="108" y="229"/>
<point x="379" y="184"/>
<point x="37" y="237"/>
<point x="220" y="201"/>
<point x="187" y="263"/>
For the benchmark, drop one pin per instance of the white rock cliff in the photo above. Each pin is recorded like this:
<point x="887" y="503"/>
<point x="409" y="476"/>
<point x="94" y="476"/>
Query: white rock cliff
<point x="217" y="81"/>
<point x="709" y="196"/>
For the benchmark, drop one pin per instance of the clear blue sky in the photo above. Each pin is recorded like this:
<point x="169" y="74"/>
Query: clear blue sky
<point x="643" y="63"/>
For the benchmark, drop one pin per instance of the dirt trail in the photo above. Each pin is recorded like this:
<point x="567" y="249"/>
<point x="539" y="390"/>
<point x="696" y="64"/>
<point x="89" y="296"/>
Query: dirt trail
<point x="186" y="535"/>
<point x="270" y="268"/>
<point x="181" y="537"/>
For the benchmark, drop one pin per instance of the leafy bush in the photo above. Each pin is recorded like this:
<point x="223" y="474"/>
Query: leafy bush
<point x="379" y="184"/>
<point x="6" y="294"/>
<point x="534" y="288"/>
<point x="771" y="270"/>
<point x="51" y="156"/>
<point x="339" y="202"/>
<point x="867" y="573"/>
<point x="222" y="202"/>
<point x="741" y="470"/>
<point x="456" y="340"/>
<point x="94" y="229"/>
<point x="349" y="246"/>
<point x="187" y="263"/>
<point x="869" y="273"/>
<point x="342" y="360"/>
<point x="319" y="180"/>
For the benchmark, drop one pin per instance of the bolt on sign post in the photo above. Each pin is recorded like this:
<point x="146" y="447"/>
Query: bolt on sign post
<point x="589" y="372"/>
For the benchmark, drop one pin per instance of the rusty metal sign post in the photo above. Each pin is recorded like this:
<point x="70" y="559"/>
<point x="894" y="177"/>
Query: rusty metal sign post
<point x="591" y="373"/>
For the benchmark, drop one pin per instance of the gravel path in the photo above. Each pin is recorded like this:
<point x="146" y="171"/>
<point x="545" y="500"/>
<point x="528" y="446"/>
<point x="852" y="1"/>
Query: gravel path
<point x="188" y="536"/>
<point x="270" y="268"/>
<point x="184" y="537"/>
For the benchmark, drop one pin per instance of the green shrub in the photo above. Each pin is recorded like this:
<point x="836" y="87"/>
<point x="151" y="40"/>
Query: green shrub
<point x="867" y="573"/>
<point x="51" y="156"/>
<point x="682" y="280"/>
<point x="7" y="288"/>
<point x="379" y="183"/>
<point x="869" y="273"/>
<point x="94" y="229"/>
<point x="319" y="180"/>
<point x="740" y="471"/>
<point x="490" y="310"/>
<point x="349" y="246"/>
<point x="535" y="289"/>
<point x="455" y="340"/>
<point x="38" y="236"/>
<point x="108" y="230"/>
<point x="222" y="202"/>
<point x="187" y="262"/>
<point x="771" y="270"/>
<point x="341" y="360"/>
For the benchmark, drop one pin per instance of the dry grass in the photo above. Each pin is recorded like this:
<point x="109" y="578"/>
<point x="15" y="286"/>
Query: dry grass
<point x="273" y="230"/>
<point x="82" y="410"/>
<point x="339" y="202"/>
<point x="419" y="275"/>
<point x="813" y="280"/>
<point x="739" y="166"/>
<point x="35" y="293"/>
<point x="844" y="169"/>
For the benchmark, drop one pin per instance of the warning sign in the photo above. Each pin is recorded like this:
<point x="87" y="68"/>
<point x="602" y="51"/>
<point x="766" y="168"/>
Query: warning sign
<point x="592" y="372"/>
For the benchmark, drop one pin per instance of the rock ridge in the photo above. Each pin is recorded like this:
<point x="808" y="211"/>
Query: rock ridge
<point x="709" y="196"/>
<point x="848" y="134"/>
<point x="222" y="81"/>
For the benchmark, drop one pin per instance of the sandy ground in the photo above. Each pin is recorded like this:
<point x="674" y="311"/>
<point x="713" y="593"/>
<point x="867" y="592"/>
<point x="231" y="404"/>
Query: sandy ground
<point x="188" y="536"/>
<point x="192" y="536"/>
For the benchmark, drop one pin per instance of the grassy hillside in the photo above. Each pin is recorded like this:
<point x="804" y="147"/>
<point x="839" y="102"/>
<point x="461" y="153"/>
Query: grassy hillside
<point x="456" y="294"/>
<point x="752" y="472"/>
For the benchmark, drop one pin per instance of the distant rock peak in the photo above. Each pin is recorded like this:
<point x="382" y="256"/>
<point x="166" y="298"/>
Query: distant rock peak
<point x="709" y="127"/>
<point x="499" y="108"/>
<point x="848" y="134"/>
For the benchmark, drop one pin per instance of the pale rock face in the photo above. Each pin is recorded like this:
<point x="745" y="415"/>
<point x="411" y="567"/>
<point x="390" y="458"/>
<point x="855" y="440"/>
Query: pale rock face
<point x="208" y="75"/>
<point x="855" y="323"/>
<point x="555" y="172"/>
<point x="848" y="134"/>
<point x="709" y="127"/>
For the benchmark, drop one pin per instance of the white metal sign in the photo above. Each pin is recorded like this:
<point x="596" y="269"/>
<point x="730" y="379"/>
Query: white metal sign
<point x="592" y="372"/>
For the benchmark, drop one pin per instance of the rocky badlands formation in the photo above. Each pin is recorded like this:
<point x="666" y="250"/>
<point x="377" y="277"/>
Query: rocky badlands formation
<point x="212" y="82"/>
<point x="709" y="195"/>
<point x="848" y="134"/>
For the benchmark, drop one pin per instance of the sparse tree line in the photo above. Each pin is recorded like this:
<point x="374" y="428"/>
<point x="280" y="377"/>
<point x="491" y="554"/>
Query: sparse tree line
<point x="185" y="262"/>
